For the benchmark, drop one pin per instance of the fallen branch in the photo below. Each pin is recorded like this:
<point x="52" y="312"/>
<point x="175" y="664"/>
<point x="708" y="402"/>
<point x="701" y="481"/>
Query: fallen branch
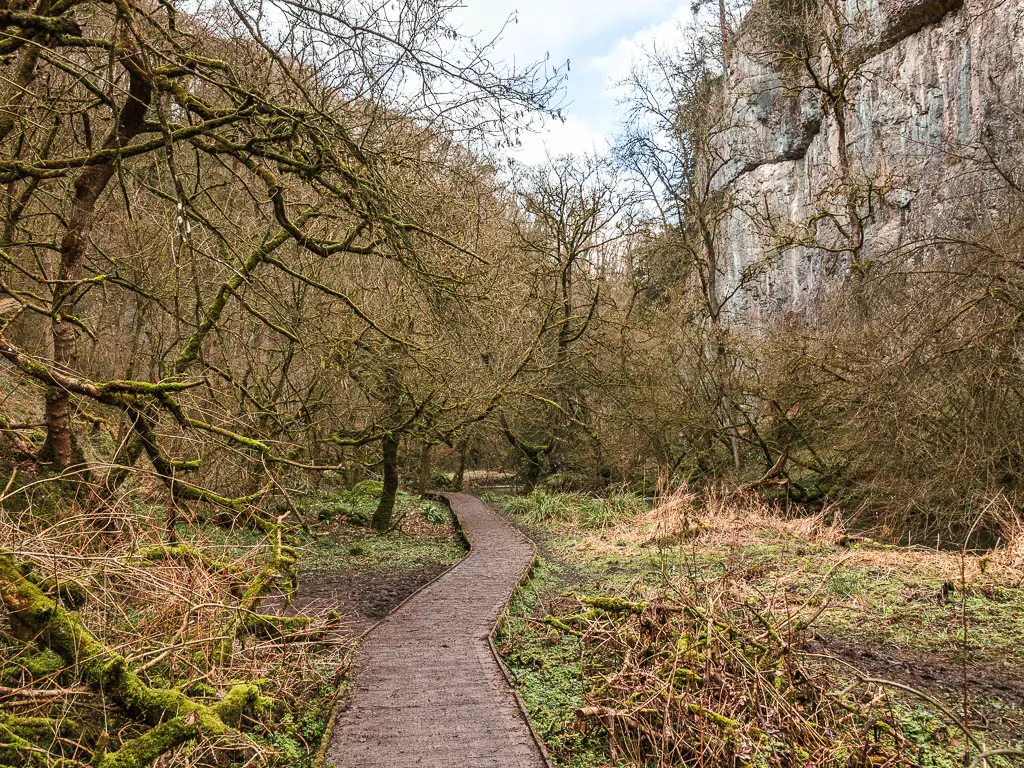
<point x="177" y="718"/>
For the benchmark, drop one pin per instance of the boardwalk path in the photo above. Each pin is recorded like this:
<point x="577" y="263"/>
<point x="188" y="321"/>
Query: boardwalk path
<point x="428" y="692"/>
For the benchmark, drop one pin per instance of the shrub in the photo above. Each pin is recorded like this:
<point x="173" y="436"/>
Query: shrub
<point x="442" y="481"/>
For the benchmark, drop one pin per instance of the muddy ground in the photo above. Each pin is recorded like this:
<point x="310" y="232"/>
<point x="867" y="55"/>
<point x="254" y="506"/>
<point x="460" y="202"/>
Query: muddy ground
<point x="939" y="676"/>
<point x="362" y="577"/>
<point x="361" y="598"/>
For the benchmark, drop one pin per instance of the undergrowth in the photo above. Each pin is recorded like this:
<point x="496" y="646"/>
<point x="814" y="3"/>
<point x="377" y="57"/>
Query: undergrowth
<point x="424" y="532"/>
<point x="692" y="635"/>
<point x="548" y="672"/>
<point x="185" y="615"/>
<point x="575" y="508"/>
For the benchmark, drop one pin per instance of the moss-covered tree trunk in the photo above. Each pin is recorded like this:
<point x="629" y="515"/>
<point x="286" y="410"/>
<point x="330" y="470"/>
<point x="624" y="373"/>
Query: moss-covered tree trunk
<point x="90" y="184"/>
<point x="460" y="470"/>
<point x="176" y="717"/>
<point x="425" y="467"/>
<point x="385" y="512"/>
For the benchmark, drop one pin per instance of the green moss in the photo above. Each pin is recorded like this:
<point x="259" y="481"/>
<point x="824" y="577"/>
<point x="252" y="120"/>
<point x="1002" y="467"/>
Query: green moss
<point x="720" y="720"/>
<point x="175" y="717"/>
<point x="71" y="593"/>
<point x="185" y="552"/>
<point x="143" y="750"/>
<point x="613" y="604"/>
<point x="273" y="627"/>
<point x="43" y="664"/>
<point x="41" y="729"/>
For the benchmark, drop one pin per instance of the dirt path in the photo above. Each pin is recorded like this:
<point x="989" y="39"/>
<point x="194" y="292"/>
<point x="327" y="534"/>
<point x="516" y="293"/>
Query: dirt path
<point x="428" y="692"/>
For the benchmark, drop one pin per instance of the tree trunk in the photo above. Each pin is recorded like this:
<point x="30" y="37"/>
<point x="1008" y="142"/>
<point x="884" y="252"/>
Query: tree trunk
<point x="90" y="184"/>
<point x="424" y="469"/>
<point x="382" y="517"/>
<point x="534" y="468"/>
<point x="460" y="471"/>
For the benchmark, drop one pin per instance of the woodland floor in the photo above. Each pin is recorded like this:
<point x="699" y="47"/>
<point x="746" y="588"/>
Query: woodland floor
<point x="990" y="682"/>
<point x="891" y="613"/>
<point x="426" y="689"/>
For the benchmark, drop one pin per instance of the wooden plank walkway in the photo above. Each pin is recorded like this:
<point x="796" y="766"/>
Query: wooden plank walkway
<point x="428" y="692"/>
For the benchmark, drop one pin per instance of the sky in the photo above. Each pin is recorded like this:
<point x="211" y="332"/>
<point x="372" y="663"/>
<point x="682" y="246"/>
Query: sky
<point x="600" y="38"/>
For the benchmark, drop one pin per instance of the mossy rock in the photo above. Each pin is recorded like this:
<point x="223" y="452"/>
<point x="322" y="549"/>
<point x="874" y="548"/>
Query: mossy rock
<point x="366" y="489"/>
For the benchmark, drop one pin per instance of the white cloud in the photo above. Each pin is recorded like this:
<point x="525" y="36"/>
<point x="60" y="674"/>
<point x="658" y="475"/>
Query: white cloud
<point x="600" y="37"/>
<point x="557" y="27"/>
<point x="617" y="62"/>
<point x="574" y="135"/>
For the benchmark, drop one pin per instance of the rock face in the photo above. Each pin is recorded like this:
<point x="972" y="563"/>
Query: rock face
<point x="933" y="115"/>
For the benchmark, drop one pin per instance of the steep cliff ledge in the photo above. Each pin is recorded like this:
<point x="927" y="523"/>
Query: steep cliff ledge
<point x="895" y="128"/>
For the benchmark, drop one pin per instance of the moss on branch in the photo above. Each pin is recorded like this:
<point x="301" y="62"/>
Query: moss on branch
<point x="275" y="627"/>
<point x="188" y="553"/>
<point x="176" y="718"/>
<point x="218" y="720"/>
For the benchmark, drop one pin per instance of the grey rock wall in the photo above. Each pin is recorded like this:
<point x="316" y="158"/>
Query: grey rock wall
<point x="937" y="91"/>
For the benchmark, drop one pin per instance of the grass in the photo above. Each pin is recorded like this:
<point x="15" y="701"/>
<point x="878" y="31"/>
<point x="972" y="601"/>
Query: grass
<point x="902" y="603"/>
<point x="548" y="673"/>
<point x="908" y="597"/>
<point x="425" y="533"/>
<point x="574" y="509"/>
<point x="339" y="537"/>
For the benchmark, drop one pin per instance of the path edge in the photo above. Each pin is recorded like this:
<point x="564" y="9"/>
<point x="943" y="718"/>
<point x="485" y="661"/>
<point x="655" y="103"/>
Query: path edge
<point x="325" y="742"/>
<point x="524" y="577"/>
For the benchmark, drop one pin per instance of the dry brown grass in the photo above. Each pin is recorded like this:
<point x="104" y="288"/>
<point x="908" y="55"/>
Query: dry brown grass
<point x="715" y="518"/>
<point x="702" y="679"/>
<point x="720" y="661"/>
<point x="718" y="519"/>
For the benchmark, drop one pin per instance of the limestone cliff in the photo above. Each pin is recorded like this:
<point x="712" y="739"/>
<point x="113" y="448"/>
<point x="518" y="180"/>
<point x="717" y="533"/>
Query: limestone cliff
<point x="932" y="106"/>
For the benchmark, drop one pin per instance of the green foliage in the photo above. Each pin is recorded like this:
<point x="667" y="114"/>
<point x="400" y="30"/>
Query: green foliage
<point x="442" y="481"/>
<point x="297" y="736"/>
<point x="425" y="535"/>
<point x="354" y="506"/>
<point x="547" y="671"/>
<point x="933" y="736"/>
<point x="541" y="507"/>
<point x="436" y="514"/>
<point x="298" y="731"/>
<point x="395" y="552"/>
